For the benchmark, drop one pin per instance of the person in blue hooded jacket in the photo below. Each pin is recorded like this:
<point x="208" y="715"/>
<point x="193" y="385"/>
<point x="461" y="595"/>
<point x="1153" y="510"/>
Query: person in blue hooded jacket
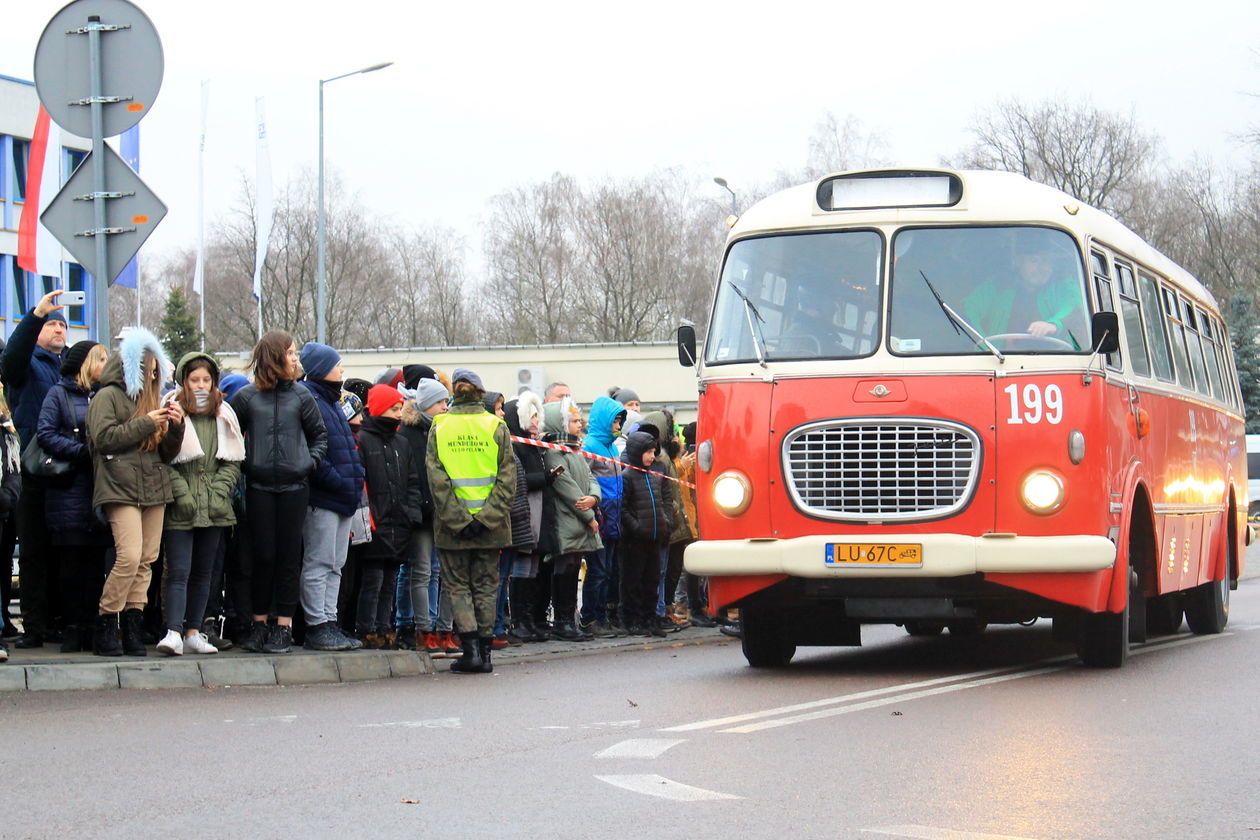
<point x="600" y="592"/>
<point x="336" y="487"/>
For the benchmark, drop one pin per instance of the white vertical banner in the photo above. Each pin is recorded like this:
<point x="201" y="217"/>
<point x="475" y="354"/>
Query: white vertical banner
<point x="264" y="207"/>
<point x="199" y="271"/>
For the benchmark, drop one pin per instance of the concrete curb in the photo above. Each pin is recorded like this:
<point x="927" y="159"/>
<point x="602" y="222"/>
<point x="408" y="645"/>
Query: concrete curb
<point x="213" y="671"/>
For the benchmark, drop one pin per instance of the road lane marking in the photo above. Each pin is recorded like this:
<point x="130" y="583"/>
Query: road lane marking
<point x="436" y="723"/>
<point x="888" y="701"/>
<point x="910" y="691"/>
<point x="860" y="695"/>
<point x="640" y="748"/>
<point x="651" y="784"/>
<point x="927" y="832"/>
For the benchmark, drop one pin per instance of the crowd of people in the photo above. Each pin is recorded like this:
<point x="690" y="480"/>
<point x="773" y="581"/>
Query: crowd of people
<point x="175" y="506"/>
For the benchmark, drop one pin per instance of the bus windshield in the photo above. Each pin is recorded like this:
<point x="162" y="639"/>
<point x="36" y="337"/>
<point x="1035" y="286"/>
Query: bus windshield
<point x="803" y="296"/>
<point x="1022" y="288"/>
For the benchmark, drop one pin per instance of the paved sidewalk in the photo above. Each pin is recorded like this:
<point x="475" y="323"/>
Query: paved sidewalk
<point x="47" y="669"/>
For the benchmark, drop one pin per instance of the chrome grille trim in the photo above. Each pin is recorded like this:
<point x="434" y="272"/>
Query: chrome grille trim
<point x="881" y="469"/>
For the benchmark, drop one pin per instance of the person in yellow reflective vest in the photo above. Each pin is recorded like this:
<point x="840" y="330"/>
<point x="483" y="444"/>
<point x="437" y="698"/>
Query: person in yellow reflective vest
<point x="472" y="479"/>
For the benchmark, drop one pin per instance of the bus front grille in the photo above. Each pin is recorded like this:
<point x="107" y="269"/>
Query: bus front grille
<point x="884" y="469"/>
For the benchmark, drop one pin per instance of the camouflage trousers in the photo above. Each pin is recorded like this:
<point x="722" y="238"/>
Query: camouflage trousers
<point x="472" y="577"/>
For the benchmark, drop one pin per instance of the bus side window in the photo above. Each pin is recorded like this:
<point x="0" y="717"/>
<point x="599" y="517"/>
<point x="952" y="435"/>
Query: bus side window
<point x="1106" y="303"/>
<point x="1208" y="338"/>
<point x="1156" y="331"/>
<point x="1131" y="314"/>
<point x="1177" y="338"/>
<point x="1194" y="347"/>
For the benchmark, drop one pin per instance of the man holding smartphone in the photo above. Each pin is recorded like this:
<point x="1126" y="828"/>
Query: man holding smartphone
<point x="31" y="364"/>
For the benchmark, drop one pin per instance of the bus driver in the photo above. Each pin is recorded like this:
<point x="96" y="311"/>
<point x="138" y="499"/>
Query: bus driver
<point x="1044" y="301"/>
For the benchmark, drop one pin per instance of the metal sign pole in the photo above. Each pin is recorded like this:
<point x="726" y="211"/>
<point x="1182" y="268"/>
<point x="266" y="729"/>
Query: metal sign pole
<point x="100" y="280"/>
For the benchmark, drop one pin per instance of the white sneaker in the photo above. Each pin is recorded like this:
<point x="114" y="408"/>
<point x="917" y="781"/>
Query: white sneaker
<point x="172" y="643"/>
<point x="198" y="643"/>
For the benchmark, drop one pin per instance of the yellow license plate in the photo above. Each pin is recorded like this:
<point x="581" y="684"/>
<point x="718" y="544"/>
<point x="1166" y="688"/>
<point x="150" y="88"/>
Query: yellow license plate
<point x="874" y="554"/>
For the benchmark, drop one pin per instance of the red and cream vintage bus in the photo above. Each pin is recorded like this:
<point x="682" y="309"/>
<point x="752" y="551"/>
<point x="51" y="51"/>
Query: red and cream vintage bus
<point x="947" y="399"/>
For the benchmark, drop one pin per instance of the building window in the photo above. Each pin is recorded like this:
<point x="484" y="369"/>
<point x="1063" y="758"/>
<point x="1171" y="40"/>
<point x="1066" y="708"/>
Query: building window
<point x="17" y="288"/>
<point x="21" y="152"/>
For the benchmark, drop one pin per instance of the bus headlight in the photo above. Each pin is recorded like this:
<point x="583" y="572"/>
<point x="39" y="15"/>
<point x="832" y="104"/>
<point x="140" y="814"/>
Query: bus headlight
<point x="732" y="493"/>
<point x="1042" y="492"/>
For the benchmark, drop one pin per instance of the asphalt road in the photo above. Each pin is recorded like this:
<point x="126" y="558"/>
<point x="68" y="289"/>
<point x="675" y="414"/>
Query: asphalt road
<point x="1001" y="736"/>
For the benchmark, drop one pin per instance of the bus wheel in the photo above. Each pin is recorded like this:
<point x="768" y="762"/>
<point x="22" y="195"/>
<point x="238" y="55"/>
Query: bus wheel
<point x="1207" y="607"/>
<point x="925" y="628"/>
<point x="1163" y="614"/>
<point x="764" y="640"/>
<point x="970" y="627"/>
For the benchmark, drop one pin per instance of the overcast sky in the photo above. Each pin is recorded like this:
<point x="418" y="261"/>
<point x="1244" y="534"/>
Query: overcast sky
<point x="486" y="96"/>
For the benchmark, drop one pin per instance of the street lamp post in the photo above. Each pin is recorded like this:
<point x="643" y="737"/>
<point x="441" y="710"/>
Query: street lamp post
<point x="721" y="182"/>
<point x="321" y="281"/>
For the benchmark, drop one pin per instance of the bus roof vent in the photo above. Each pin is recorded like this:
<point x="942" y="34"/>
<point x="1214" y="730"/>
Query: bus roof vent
<point x="889" y="188"/>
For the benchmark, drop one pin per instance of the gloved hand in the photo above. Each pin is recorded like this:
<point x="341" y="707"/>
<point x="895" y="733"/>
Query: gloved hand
<point x="473" y="530"/>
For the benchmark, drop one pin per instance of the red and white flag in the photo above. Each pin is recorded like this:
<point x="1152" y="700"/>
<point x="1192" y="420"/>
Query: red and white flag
<point x="38" y="250"/>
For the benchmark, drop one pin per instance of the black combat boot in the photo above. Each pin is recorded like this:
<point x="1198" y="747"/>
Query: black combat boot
<point x="133" y="633"/>
<point x="485" y="644"/>
<point x="407" y="637"/>
<point x="471" y="662"/>
<point x="105" y="639"/>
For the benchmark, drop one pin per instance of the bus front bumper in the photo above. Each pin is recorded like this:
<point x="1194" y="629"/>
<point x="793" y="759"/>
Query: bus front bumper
<point x="942" y="555"/>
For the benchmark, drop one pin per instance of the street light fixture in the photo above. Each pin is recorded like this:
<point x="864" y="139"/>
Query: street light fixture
<point x="321" y="313"/>
<point x="721" y="182"/>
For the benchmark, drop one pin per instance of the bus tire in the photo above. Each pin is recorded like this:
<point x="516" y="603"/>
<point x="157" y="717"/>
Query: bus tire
<point x="1104" y="639"/>
<point x="1207" y="607"/>
<point x="764" y="640"/>
<point x="969" y="627"/>
<point x="925" y="628"/>
<point x="1163" y="614"/>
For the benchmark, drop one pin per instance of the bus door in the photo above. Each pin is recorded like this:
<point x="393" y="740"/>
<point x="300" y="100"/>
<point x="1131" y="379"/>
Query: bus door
<point x="883" y="454"/>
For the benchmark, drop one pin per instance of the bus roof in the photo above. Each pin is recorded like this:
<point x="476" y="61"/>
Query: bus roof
<point x="987" y="197"/>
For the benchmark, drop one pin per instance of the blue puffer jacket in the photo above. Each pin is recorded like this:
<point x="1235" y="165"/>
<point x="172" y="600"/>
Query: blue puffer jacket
<point x="337" y="483"/>
<point x="29" y="371"/>
<point x="62" y="431"/>
<point x="599" y="441"/>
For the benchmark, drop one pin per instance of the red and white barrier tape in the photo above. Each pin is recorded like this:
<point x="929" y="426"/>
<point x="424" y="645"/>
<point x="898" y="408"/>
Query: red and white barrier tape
<point x="542" y="444"/>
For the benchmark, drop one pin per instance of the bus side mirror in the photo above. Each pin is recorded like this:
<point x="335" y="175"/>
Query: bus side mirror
<point x="687" y="345"/>
<point x="1104" y="330"/>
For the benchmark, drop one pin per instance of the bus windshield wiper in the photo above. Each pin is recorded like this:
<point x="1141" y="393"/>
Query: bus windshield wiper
<point x="959" y="321"/>
<point x="750" y="310"/>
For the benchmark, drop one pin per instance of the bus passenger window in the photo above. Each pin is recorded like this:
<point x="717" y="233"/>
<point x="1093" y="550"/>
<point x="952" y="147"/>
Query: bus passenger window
<point x="1177" y="336"/>
<point x="1211" y="336"/>
<point x="1131" y="315"/>
<point x="1106" y="303"/>
<point x="1153" y="317"/>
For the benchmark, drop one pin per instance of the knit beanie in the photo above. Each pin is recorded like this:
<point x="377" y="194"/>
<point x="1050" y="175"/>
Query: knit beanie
<point x="56" y="315"/>
<point x="391" y="376"/>
<point x="350" y="405"/>
<point x="625" y="395"/>
<point x="382" y="398"/>
<point x="466" y="375"/>
<point x="232" y="383"/>
<point x="318" y="360"/>
<point x="358" y="387"/>
<point x="72" y="361"/>
<point x="429" y="392"/>
<point x="413" y="374"/>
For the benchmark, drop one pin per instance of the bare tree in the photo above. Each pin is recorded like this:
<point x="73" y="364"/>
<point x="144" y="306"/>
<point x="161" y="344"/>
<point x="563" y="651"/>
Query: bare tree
<point x="431" y="283"/>
<point x="1094" y="155"/>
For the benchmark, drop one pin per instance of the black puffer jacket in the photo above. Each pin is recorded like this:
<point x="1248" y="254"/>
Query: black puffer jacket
<point x="285" y="436"/>
<point x="415" y="429"/>
<point x="393" y="487"/>
<point x="646" y="505"/>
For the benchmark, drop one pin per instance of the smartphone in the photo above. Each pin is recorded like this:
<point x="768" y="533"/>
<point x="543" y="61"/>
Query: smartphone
<point x="72" y="298"/>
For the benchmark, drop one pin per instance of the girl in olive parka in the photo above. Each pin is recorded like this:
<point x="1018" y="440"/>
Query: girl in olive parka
<point x="203" y="477"/>
<point x="132" y="436"/>
<point x="575" y="493"/>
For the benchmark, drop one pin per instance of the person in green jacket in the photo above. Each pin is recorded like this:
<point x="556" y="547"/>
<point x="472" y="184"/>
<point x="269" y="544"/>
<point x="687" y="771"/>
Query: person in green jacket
<point x="203" y="476"/>
<point x="472" y="479"/>
<point x="1044" y="299"/>
<point x="575" y="493"/>
<point x="132" y="437"/>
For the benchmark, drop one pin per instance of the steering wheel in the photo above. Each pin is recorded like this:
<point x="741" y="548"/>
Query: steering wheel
<point x="1028" y="341"/>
